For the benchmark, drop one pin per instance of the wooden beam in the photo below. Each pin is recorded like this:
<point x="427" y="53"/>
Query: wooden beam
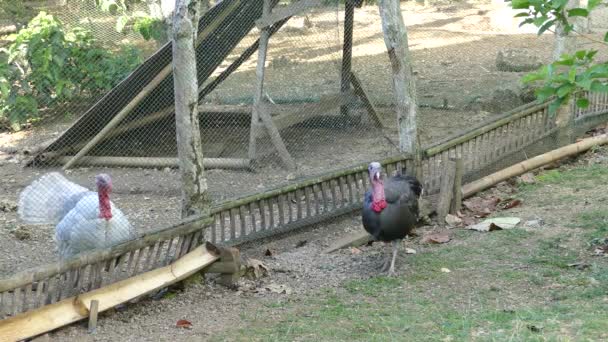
<point x="70" y="310"/>
<point x="532" y="163"/>
<point x="166" y="71"/>
<point x="362" y="94"/>
<point x="259" y="85"/>
<point x="446" y="189"/>
<point x="352" y="240"/>
<point x="204" y="91"/>
<point x="260" y="109"/>
<point x="285" y="12"/>
<point x="147" y="162"/>
<point x="347" y="50"/>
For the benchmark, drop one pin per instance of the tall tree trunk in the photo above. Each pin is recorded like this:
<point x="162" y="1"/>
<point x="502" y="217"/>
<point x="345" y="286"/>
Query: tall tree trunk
<point x="566" y="42"/>
<point x="195" y="197"/>
<point x="395" y="38"/>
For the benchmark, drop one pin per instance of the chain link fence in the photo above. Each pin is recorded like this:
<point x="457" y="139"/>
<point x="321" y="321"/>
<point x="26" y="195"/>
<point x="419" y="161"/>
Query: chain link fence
<point x="468" y="58"/>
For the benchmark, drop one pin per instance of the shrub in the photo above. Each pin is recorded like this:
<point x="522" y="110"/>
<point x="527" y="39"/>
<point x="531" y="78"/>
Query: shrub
<point x="49" y="65"/>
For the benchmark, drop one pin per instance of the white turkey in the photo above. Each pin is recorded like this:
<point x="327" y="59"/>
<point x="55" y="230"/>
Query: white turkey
<point x="84" y="219"/>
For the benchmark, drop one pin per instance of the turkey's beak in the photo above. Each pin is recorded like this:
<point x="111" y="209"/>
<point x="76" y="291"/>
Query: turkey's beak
<point x="377" y="176"/>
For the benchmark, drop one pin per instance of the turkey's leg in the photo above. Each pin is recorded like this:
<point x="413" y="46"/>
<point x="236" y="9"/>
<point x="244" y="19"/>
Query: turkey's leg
<point x="387" y="261"/>
<point x="391" y="270"/>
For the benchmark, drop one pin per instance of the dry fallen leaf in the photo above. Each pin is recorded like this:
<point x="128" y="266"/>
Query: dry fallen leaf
<point x="436" y="238"/>
<point x="268" y="252"/>
<point x="497" y="223"/>
<point x="453" y="220"/>
<point x="355" y="250"/>
<point x="482" y="207"/>
<point x="510" y="203"/>
<point x="410" y="251"/>
<point x="182" y="323"/>
<point x="255" y="269"/>
<point x="445" y="270"/>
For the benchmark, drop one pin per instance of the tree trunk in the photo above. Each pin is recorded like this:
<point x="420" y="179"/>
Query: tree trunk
<point x="395" y="38"/>
<point x="566" y="42"/>
<point x="195" y="197"/>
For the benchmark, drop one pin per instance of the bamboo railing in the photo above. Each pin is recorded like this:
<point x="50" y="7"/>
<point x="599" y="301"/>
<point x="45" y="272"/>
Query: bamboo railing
<point x="499" y="142"/>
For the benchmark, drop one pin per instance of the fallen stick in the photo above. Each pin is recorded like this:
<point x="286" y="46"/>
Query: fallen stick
<point x="532" y="163"/>
<point x="70" y="310"/>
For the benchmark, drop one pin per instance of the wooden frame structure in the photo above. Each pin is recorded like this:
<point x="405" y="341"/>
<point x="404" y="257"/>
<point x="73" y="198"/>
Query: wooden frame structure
<point x="262" y="121"/>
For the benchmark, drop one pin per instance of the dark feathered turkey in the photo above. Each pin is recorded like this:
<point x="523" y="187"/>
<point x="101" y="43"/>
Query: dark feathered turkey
<point x="390" y="208"/>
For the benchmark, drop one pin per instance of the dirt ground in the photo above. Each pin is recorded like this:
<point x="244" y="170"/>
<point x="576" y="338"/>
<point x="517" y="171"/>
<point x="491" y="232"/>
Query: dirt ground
<point x="299" y="269"/>
<point x="455" y="52"/>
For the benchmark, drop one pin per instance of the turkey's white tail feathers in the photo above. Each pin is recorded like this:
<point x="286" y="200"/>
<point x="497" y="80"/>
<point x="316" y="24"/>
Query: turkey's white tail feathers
<point x="44" y="201"/>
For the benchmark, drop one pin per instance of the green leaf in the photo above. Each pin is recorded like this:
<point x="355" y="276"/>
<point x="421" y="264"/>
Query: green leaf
<point x="520" y="4"/>
<point x="582" y="103"/>
<point x="522" y="14"/>
<point x="580" y="54"/>
<point x="544" y="93"/>
<point x="599" y="87"/>
<point x="578" y="12"/>
<point x="565" y="90"/>
<point x="606" y="37"/>
<point x="554" y="106"/>
<point x="546" y="26"/>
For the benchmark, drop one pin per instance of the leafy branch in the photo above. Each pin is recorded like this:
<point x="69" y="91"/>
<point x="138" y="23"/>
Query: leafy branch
<point x="572" y="74"/>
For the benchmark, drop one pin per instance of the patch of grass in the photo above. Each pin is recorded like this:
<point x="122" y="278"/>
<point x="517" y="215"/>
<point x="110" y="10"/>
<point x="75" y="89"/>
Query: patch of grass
<point x="595" y="222"/>
<point x="510" y="285"/>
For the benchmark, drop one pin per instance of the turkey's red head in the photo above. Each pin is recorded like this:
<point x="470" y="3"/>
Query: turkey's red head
<point x="104" y="187"/>
<point x="375" y="178"/>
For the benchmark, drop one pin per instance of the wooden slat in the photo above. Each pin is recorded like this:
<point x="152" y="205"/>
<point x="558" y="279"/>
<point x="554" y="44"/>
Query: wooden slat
<point x="281" y="205"/>
<point x="282" y="13"/>
<point x="242" y="220"/>
<point x="232" y="224"/>
<point x="252" y="217"/>
<point x="262" y="215"/>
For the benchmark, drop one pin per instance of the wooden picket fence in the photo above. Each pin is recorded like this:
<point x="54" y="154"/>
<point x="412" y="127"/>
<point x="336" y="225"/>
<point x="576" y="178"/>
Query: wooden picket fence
<point x="497" y="143"/>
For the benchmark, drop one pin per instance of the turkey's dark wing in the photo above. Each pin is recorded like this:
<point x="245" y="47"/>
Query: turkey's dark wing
<point x="403" y="190"/>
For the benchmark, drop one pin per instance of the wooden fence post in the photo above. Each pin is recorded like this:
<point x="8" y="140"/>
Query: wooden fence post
<point x="229" y="266"/>
<point x="456" y="202"/>
<point x="446" y="188"/>
<point x="564" y="120"/>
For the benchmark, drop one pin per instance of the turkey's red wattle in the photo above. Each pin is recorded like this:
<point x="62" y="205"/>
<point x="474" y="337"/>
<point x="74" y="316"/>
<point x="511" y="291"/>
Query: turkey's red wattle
<point x="105" y="209"/>
<point x="378" y="199"/>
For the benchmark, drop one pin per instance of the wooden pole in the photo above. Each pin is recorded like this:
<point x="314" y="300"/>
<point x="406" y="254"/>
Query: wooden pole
<point x="94" y="308"/>
<point x="195" y="197"/>
<point x="347" y="50"/>
<point x="531" y="164"/>
<point x="362" y="94"/>
<point x="259" y="84"/>
<point x="457" y="196"/>
<point x="158" y="162"/>
<point x="395" y="38"/>
<point x="446" y="188"/>
<point x="260" y="107"/>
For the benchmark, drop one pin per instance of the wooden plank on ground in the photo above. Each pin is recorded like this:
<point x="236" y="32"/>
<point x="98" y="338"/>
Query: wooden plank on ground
<point x="354" y="240"/>
<point x="50" y="317"/>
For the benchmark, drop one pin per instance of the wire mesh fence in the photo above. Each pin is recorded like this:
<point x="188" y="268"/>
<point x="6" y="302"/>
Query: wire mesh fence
<point x="467" y="59"/>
